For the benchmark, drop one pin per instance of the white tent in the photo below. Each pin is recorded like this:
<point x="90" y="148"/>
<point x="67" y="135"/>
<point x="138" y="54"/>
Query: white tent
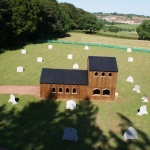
<point x="137" y="88"/>
<point x="130" y="133"/>
<point x="130" y="59"/>
<point x="70" y="56"/>
<point x="142" y="110"/>
<point x="130" y="79"/>
<point x="70" y="134"/>
<point x="70" y="104"/>
<point x="129" y="49"/>
<point x="39" y="59"/>
<point x="50" y="46"/>
<point x="144" y="99"/>
<point x="86" y="48"/>
<point x="75" y="66"/>
<point x="19" y="69"/>
<point x="23" y="51"/>
<point x="12" y="99"/>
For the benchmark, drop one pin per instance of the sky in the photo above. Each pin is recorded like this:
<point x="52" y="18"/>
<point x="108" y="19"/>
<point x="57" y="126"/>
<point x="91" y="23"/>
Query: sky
<point x="138" y="7"/>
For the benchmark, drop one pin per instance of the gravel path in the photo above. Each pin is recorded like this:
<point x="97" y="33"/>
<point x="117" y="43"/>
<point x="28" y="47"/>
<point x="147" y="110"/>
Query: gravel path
<point x="20" y="90"/>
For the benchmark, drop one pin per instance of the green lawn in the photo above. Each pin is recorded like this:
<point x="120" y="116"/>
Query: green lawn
<point x="35" y="124"/>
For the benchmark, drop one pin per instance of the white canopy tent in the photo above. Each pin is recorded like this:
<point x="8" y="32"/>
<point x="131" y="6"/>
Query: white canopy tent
<point x="23" y="51"/>
<point x="137" y="88"/>
<point x="129" y="49"/>
<point x="130" y="133"/>
<point x="130" y="79"/>
<point x="19" y="69"/>
<point x="130" y="59"/>
<point x="70" y="56"/>
<point x="86" y="48"/>
<point x="75" y="66"/>
<point x="50" y="46"/>
<point x="12" y="99"/>
<point x="142" y="110"/>
<point x="144" y="99"/>
<point x="39" y="59"/>
<point x="70" y="104"/>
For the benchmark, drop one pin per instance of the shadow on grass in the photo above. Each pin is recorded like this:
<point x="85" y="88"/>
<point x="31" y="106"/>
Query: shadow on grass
<point x="15" y="45"/>
<point x="40" y="125"/>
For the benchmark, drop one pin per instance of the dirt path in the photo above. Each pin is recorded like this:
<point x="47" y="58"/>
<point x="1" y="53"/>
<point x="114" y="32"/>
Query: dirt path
<point x="20" y="90"/>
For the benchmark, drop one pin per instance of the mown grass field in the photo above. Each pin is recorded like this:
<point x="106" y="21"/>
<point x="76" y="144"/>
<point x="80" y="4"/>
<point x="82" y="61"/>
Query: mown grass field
<point x="35" y="124"/>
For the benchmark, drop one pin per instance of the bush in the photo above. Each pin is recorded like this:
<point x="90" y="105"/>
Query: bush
<point x="113" y="29"/>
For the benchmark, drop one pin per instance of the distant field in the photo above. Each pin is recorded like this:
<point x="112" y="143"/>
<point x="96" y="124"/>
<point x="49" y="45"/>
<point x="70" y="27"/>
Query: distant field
<point x="128" y="26"/>
<point x="109" y="40"/>
<point x="121" y="34"/>
<point x="37" y="124"/>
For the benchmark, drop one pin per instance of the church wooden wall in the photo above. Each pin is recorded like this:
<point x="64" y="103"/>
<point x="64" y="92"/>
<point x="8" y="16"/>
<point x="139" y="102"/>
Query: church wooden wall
<point x="46" y="91"/>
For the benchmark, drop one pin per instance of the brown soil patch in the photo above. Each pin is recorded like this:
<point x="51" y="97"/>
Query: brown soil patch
<point x="20" y="90"/>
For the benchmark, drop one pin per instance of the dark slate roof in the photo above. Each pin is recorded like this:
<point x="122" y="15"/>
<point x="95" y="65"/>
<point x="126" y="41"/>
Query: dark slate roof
<point x="101" y="63"/>
<point x="64" y="76"/>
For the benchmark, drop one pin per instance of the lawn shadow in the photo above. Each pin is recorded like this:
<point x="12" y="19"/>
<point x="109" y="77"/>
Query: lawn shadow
<point x="39" y="126"/>
<point x="122" y="144"/>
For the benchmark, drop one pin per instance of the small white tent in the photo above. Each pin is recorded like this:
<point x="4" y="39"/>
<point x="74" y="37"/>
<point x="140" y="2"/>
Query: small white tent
<point x="70" y="56"/>
<point x="75" y="66"/>
<point x="23" y="51"/>
<point x="129" y="49"/>
<point x="144" y="99"/>
<point x="19" y="69"/>
<point x="39" y="59"/>
<point x="137" y="88"/>
<point x="50" y="46"/>
<point x="86" y="48"/>
<point x="130" y="133"/>
<point x="12" y="99"/>
<point x="130" y="79"/>
<point x="130" y="59"/>
<point x="70" y="104"/>
<point x="142" y="110"/>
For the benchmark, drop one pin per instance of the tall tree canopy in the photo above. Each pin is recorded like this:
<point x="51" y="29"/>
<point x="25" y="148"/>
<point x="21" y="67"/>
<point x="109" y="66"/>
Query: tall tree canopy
<point x="143" y="30"/>
<point x="24" y="21"/>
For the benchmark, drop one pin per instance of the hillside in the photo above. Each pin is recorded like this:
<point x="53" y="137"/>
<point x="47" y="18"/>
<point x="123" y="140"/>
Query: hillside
<point x="127" y="19"/>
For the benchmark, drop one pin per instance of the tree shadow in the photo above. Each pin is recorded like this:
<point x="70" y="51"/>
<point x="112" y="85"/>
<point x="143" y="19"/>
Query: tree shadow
<point x="39" y="126"/>
<point x="121" y="144"/>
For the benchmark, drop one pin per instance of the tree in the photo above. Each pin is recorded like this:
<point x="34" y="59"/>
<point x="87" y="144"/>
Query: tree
<point x="5" y="14"/>
<point x="143" y="30"/>
<point x="89" y="22"/>
<point x="71" y="13"/>
<point x="113" y="29"/>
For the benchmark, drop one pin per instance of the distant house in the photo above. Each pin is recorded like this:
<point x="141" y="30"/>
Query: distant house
<point x="98" y="82"/>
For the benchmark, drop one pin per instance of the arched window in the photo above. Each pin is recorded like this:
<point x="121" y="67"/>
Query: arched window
<point x="67" y="90"/>
<point x="106" y="92"/>
<point x="96" y="73"/>
<point x="103" y="74"/>
<point x="53" y="90"/>
<point x="74" y="90"/>
<point x="96" y="92"/>
<point x="110" y="74"/>
<point x="60" y="90"/>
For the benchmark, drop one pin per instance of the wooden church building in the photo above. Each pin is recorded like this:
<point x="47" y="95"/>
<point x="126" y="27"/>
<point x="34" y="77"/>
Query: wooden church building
<point x="98" y="82"/>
